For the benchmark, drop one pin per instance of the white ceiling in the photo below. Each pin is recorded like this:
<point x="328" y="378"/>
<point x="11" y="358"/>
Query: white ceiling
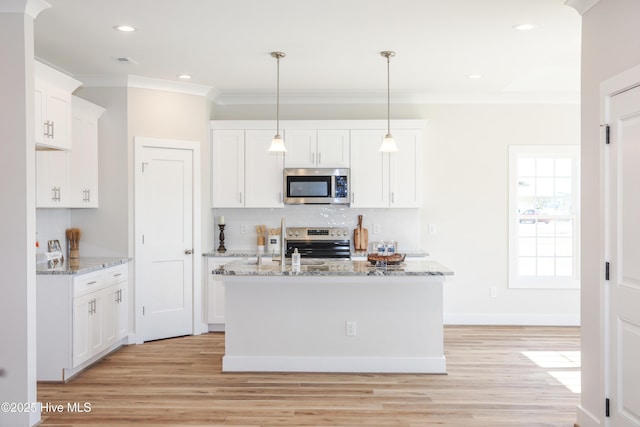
<point x="332" y="47"/>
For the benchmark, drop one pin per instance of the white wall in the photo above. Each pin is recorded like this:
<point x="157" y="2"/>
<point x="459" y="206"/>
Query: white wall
<point x="610" y="45"/>
<point x="465" y="196"/>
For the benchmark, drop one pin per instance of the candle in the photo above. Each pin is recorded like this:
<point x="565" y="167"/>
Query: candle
<point x="221" y="220"/>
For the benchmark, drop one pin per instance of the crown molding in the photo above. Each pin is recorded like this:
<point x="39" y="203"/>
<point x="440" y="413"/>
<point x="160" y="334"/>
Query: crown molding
<point x="148" y="83"/>
<point x="417" y="98"/>
<point x="582" y="6"/>
<point x="31" y="8"/>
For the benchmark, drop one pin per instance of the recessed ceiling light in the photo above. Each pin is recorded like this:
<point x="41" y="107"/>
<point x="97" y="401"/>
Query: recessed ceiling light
<point x="124" y="28"/>
<point x="184" y="76"/>
<point x="524" y="27"/>
<point x="474" y="76"/>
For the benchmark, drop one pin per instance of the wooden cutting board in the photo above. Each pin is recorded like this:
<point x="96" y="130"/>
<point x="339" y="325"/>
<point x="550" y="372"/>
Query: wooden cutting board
<point x="360" y="236"/>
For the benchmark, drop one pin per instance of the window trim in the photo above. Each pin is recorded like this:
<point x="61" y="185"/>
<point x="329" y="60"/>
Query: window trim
<point x="542" y="282"/>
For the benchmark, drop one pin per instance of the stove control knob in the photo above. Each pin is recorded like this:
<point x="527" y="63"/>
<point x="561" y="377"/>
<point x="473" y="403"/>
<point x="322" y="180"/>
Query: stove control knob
<point x="333" y="233"/>
<point x="297" y="233"/>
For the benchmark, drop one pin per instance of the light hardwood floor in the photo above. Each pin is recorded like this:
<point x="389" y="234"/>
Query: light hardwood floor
<point x="178" y="382"/>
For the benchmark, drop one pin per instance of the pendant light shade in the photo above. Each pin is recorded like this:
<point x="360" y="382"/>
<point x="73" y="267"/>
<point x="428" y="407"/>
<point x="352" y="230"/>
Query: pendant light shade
<point x="277" y="144"/>
<point x="388" y="143"/>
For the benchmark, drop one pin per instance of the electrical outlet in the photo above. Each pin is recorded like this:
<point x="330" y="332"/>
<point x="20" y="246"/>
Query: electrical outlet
<point x="432" y="229"/>
<point x="376" y="228"/>
<point x="243" y="229"/>
<point x="493" y="292"/>
<point x="351" y="328"/>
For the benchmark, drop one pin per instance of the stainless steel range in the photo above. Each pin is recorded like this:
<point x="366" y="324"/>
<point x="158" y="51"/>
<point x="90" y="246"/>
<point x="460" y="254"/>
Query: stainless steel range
<point x="323" y="242"/>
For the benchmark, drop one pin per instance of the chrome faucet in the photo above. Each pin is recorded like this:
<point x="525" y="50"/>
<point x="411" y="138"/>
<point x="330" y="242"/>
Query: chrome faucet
<point x="283" y="246"/>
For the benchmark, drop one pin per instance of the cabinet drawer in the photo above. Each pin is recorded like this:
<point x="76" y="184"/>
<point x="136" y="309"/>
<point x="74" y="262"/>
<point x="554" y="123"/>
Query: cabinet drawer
<point x="88" y="283"/>
<point x="116" y="274"/>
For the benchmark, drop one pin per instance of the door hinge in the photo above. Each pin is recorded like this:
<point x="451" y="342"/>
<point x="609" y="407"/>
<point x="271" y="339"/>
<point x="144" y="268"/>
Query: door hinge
<point x="606" y="271"/>
<point x="607" y="134"/>
<point x="144" y="163"/>
<point x="606" y="407"/>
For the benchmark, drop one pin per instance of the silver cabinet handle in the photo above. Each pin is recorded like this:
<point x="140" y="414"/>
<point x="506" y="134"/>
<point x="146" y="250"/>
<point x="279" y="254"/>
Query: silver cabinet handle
<point x="319" y="157"/>
<point x="313" y="157"/>
<point x="53" y="127"/>
<point x="393" y="197"/>
<point x="353" y="197"/>
<point x="241" y="197"/>
<point x="92" y="283"/>
<point x="188" y="251"/>
<point x="53" y="194"/>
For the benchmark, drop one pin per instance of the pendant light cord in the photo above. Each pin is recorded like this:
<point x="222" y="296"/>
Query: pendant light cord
<point x="278" y="97"/>
<point x="388" y="98"/>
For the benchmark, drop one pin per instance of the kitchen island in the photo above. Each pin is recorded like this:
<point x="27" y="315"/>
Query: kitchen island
<point x="333" y="316"/>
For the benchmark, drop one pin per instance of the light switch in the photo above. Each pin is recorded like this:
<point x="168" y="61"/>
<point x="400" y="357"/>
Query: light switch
<point x="432" y="229"/>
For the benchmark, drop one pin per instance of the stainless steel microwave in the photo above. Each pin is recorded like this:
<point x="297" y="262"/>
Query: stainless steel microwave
<point x="316" y="186"/>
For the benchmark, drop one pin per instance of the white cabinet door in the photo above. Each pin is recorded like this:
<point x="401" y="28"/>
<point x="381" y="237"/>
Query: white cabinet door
<point x="301" y="148"/>
<point x="122" y="311"/>
<point x="227" y="168"/>
<point x="333" y="149"/>
<point x="52" y="116"/>
<point x="215" y="291"/>
<point x="83" y="158"/>
<point x="263" y="171"/>
<point x="52" y="107"/>
<point x="109" y="316"/>
<point x="405" y="170"/>
<point x="52" y="189"/>
<point x="317" y="148"/>
<point x="82" y="311"/>
<point x="369" y="172"/>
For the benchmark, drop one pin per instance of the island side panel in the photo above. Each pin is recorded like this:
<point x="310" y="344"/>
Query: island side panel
<point x="299" y="324"/>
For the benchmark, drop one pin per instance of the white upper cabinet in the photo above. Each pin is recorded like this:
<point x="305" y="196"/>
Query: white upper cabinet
<point x="69" y="179"/>
<point x="369" y="172"/>
<point x="52" y="108"/>
<point x="405" y="170"/>
<point x="381" y="180"/>
<point x="83" y="158"/>
<point x="243" y="172"/>
<point x="263" y="171"/>
<point x="321" y="148"/>
<point x="52" y="184"/>
<point x="227" y="168"/>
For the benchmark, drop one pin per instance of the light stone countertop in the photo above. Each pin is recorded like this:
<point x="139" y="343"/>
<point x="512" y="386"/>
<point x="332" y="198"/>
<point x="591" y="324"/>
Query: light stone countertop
<point x="323" y="267"/>
<point x="84" y="265"/>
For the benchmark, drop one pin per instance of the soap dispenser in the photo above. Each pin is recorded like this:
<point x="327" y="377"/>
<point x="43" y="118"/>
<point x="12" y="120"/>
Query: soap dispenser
<point x="295" y="259"/>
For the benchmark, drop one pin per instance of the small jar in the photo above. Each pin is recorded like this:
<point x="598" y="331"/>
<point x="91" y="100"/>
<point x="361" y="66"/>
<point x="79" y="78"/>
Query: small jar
<point x="390" y="247"/>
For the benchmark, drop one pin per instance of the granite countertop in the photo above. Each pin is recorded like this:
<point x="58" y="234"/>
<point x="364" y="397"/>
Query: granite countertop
<point x="83" y="265"/>
<point x="319" y="267"/>
<point x="248" y="253"/>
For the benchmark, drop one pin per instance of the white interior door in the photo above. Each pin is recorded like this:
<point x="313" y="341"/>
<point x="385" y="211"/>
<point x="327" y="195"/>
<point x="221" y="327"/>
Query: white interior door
<point x="623" y="174"/>
<point x="164" y="216"/>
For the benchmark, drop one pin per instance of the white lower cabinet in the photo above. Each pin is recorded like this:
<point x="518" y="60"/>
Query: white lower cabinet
<point x="80" y="319"/>
<point x="215" y="293"/>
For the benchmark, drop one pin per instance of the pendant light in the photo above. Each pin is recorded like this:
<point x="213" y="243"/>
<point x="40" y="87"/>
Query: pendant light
<point x="388" y="143"/>
<point x="277" y="144"/>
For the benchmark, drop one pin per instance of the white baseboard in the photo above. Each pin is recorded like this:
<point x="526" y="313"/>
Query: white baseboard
<point x="426" y="365"/>
<point x="512" y="319"/>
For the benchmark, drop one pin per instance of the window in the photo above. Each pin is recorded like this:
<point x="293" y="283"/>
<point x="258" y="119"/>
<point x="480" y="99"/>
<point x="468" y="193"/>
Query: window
<point x="543" y="216"/>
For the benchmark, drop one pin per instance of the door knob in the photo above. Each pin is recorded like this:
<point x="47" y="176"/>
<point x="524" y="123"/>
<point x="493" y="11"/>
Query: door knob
<point x="188" y="251"/>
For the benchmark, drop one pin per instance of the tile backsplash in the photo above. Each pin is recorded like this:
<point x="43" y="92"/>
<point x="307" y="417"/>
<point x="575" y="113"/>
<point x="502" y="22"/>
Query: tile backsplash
<point x="401" y="225"/>
<point x="51" y="224"/>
